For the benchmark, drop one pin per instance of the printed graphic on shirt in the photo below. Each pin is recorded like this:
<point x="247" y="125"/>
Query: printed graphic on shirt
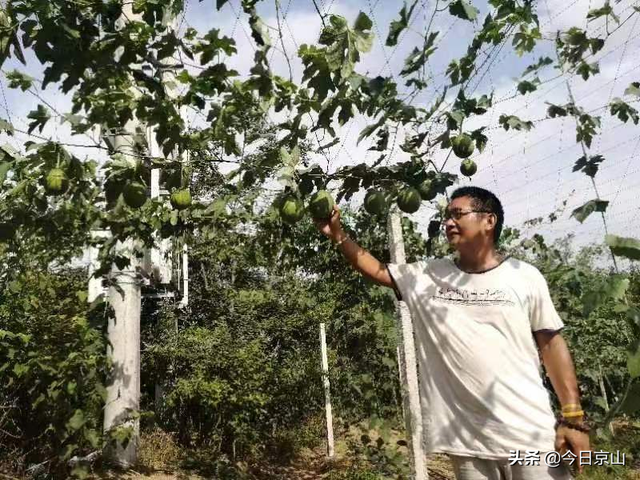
<point x="482" y="297"/>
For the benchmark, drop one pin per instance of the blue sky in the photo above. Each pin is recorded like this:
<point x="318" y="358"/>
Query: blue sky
<point x="529" y="171"/>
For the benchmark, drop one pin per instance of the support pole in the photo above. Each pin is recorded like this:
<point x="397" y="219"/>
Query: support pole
<point x="95" y="284"/>
<point x="185" y="276"/>
<point x="158" y="258"/>
<point x="123" y="330"/>
<point x="401" y="374"/>
<point x="408" y="364"/>
<point x="327" y="391"/>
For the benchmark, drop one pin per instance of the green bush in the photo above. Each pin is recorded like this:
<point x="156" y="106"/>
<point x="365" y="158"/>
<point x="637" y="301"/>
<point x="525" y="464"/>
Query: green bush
<point x="52" y="366"/>
<point x="244" y="379"/>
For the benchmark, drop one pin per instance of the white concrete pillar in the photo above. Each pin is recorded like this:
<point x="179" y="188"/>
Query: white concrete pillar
<point x="408" y="362"/>
<point x="327" y="391"/>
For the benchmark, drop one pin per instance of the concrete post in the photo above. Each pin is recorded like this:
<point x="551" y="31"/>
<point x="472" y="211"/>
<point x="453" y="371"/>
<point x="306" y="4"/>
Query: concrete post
<point x="408" y="362"/>
<point x="95" y="284"/>
<point x="158" y="259"/>
<point x="185" y="276"/>
<point x="123" y="388"/>
<point x="327" y="391"/>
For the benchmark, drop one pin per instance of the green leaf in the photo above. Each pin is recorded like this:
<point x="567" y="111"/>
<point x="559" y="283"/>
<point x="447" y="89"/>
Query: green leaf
<point x="214" y="45"/>
<point x="556" y="111"/>
<point x="587" y="70"/>
<point x="588" y="167"/>
<point x="19" y="80"/>
<point x="511" y="121"/>
<point x="633" y="359"/>
<point x="527" y="86"/>
<point x="417" y="83"/>
<point x="344" y="45"/>
<point x="363" y="23"/>
<point x="633" y="89"/>
<point x="613" y="288"/>
<point x="220" y="3"/>
<point x="40" y="117"/>
<point x="77" y="420"/>
<point x="525" y="40"/>
<point x="92" y="437"/>
<point x="542" y="62"/>
<point x="604" y="11"/>
<point x="460" y="70"/>
<point x="624" y="247"/>
<point x="419" y="57"/>
<point x="4" y="169"/>
<point x="463" y="9"/>
<point x="80" y="471"/>
<point x="583" y="212"/>
<point x="398" y="26"/>
<point x="631" y="403"/>
<point x="6" y="127"/>
<point x="624" y="111"/>
<point x="586" y="129"/>
<point x="480" y="139"/>
<point x="633" y="317"/>
<point x="370" y="129"/>
<point x="455" y="119"/>
<point x="19" y="369"/>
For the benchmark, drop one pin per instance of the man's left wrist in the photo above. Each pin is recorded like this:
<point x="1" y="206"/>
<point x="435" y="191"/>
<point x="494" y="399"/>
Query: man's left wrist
<point x="573" y="424"/>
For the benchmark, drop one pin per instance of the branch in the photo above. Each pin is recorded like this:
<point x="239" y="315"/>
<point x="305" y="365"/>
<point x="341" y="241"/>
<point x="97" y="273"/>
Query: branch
<point x="284" y="49"/>
<point x="315" y="4"/>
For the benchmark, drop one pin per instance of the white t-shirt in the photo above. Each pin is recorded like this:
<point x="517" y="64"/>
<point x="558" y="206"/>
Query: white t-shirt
<point x="481" y="385"/>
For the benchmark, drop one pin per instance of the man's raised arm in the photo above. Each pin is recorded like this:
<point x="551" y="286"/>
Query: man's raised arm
<point x="358" y="257"/>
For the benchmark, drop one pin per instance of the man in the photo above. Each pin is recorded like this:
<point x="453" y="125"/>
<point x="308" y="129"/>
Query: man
<point x="477" y="322"/>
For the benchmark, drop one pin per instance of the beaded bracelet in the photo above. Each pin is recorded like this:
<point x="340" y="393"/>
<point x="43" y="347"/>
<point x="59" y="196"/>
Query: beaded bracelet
<point x="583" y="427"/>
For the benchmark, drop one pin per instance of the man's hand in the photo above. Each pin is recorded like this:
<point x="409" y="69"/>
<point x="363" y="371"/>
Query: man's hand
<point x="332" y="227"/>
<point x="573" y="440"/>
<point x="358" y="257"/>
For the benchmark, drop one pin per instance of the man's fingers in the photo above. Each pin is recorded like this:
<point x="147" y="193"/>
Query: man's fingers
<point x="561" y="446"/>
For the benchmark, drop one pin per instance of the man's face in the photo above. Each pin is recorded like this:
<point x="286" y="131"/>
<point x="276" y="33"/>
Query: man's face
<point x="469" y="228"/>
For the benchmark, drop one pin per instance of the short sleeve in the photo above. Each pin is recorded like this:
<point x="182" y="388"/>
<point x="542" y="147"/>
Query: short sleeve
<point x="542" y="312"/>
<point x="404" y="277"/>
<point x="396" y="290"/>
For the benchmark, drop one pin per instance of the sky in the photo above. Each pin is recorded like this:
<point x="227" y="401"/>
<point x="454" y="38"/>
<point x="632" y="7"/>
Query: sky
<point x="531" y="172"/>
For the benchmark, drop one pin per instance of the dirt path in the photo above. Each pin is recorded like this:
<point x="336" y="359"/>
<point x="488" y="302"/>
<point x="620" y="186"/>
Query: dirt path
<point x="310" y="465"/>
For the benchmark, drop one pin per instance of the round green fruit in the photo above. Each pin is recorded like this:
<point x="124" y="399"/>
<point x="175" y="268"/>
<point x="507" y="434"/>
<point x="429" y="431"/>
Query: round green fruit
<point x="7" y="231"/>
<point x="409" y="200"/>
<point x="468" y="167"/>
<point x="135" y="194"/>
<point x="462" y="145"/>
<point x="426" y="190"/>
<point x="56" y="182"/>
<point x="143" y="172"/>
<point x="291" y="210"/>
<point x="321" y="205"/>
<point x="375" y="202"/>
<point x="248" y="178"/>
<point x="305" y="186"/>
<point x="181" y="199"/>
<point x="171" y="180"/>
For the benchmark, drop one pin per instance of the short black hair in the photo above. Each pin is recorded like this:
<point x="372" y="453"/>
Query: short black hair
<point x="483" y="200"/>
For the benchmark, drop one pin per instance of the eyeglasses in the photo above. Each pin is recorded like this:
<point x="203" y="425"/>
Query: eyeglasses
<point x="457" y="214"/>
